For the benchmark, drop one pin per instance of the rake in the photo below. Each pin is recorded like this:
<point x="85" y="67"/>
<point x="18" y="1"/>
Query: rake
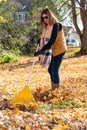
<point x="25" y="96"/>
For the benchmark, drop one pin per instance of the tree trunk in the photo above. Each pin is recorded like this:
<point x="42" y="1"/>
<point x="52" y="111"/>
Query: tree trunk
<point x="82" y="34"/>
<point x="84" y="38"/>
<point x="83" y="11"/>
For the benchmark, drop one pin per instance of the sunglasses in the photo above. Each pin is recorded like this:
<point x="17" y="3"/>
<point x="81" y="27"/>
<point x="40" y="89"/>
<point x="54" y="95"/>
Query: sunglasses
<point x="46" y="17"/>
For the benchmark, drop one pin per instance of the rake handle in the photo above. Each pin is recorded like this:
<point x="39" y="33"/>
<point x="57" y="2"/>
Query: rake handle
<point x="30" y="74"/>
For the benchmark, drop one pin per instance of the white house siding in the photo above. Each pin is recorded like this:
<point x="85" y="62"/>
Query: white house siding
<point x="72" y="38"/>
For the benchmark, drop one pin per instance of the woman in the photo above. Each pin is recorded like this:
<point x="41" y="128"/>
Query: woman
<point x="56" y="42"/>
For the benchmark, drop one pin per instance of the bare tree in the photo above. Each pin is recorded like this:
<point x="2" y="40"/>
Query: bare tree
<point x="82" y="5"/>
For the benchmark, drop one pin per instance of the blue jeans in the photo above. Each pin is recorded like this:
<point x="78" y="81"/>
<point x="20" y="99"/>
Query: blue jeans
<point x="54" y="68"/>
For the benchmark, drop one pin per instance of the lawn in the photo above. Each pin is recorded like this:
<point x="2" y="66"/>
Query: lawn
<point x="63" y="109"/>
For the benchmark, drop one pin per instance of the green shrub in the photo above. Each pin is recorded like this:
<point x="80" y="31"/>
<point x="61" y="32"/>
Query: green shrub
<point x="8" y="56"/>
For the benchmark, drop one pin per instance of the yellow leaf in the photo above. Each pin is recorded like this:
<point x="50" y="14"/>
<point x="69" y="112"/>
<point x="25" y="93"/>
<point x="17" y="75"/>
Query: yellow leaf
<point x="65" y="127"/>
<point x="55" y="101"/>
<point x="27" y="127"/>
<point x="60" y="127"/>
<point x="2" y="19"/>
<point x="78" y="115"/>
<point x="1" y="0"/>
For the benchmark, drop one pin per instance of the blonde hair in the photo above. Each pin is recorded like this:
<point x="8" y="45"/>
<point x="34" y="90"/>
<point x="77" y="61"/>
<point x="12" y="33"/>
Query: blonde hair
<point x="52" y="18"/>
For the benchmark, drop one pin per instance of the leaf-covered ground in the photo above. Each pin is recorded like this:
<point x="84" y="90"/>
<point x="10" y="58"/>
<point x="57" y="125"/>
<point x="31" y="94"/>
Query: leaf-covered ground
<point x="63" y="109"/>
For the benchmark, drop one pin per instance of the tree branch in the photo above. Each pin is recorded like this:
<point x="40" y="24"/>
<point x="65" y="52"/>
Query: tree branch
<point x="65" y="16"/>
<point x="83" y="10"/>
<point x="75" y="17"/>
<point x="63" y="5"/>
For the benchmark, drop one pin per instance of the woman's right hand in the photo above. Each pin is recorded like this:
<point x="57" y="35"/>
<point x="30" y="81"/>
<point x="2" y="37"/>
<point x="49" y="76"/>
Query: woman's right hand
<point x="38" y="53"/>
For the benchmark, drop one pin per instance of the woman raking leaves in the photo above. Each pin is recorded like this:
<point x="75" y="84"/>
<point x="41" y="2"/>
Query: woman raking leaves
<point x="56" y="42"/>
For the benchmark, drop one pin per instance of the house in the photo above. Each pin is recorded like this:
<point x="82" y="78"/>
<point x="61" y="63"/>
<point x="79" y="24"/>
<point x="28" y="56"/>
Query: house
<point x="22" y="14"/>
<point x="72" y="38"/>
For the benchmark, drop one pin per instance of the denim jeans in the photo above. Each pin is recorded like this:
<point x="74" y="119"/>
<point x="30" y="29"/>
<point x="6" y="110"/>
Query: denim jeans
<point x="54" y="68"/>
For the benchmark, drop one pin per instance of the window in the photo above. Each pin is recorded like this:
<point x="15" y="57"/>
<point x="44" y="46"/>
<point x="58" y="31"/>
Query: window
<point x="73" y="40"/>
<point x="67" y="40"/>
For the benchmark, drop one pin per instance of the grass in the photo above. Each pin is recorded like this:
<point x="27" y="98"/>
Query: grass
<point x="60" y="105"/>
<point x="72" y="50"/>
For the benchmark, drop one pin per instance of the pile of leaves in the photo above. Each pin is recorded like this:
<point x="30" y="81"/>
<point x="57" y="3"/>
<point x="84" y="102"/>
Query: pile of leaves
<point x="62" y="109"/>
<point x="46" y="120"/>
